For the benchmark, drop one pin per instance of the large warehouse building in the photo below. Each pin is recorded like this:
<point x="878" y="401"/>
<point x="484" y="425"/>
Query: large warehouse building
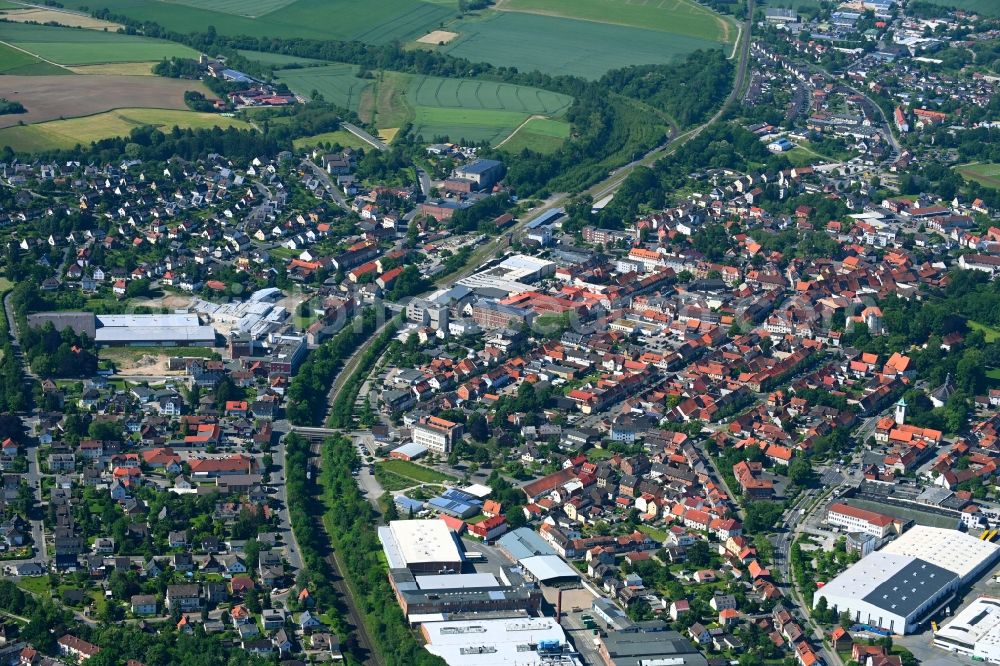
<point x="536" y="641"/>
<point x="897" y="587"/>
<point x="975" y="632"/>
<point x="166" y="330"/>
<point x="422" y="546"/>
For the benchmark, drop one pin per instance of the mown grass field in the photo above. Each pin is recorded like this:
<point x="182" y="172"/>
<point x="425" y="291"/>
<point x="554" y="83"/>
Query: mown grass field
<point x="377" y="23"/>
<point x="414" y="471"/>
<point x="340" y="137"/>
<point x="19" y="63"/>
<point x="64" y="134"/>
<point x="541" y="135"/>
<point x="986" y="174"/>
<point x="76" y="46"/>
<point x="557" y="45"/>
<point x="681" y="17"/>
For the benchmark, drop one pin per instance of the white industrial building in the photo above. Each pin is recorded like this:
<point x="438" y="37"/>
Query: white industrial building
<point x="897" y="587"/>
<point x="422" y="546"/>
<point x="955" y="551"/>
<point x="153" y="329"/>
<point x="975" y="632"/>
<point x="519" y="641"/>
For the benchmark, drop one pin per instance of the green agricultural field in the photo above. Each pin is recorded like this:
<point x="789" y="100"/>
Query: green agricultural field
<point x="457" y="108"/>
<point x="16" y="62"/>
<point x="278" y="60"/>
<point x="10" y="5"/>
<point x="540" y="135"/>
<point x="338" y="83"/>
<point x="986" y="174"/>
<point x="471" y="94"/>
<point x="376" y="23"/>
<point x="681" y="17"/>
<point x="564" y="46"/>
<point x="248" y="8"/>
<point x="64" y="134"/>
<point x="340" y="137"/>
<point x="465" y="125"/>
<point x="78" y="46"/>
<point x="984" y="7"/>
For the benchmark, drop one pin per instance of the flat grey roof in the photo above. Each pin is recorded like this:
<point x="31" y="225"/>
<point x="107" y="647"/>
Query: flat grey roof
<point x="907" y="589"/>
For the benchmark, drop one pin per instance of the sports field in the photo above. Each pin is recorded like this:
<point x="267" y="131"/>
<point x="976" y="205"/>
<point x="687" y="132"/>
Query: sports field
<point x="681" y="17"/>
<point x="76" y="46"/>
<point x="64" y="134"/>
<point x="987" y="175"/>
<point x="557" y="45"/>
<point x="538" y="134"/>
<point x="376" y="22"/>
<point x="14" y="62"/>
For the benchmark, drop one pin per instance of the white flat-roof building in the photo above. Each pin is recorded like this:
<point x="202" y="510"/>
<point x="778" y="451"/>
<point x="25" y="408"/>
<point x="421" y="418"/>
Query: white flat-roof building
<point x="153" y="329"/>
<point x="500" y="642"/>
<point x="891" y="592"/>
<point x="955" y="551"/>
<point x="425" y="546"/>
<point x="895" y="588"/>
<point x="975" y="632"/>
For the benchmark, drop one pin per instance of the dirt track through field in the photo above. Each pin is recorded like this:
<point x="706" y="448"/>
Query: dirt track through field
<point x="54" y="97"/>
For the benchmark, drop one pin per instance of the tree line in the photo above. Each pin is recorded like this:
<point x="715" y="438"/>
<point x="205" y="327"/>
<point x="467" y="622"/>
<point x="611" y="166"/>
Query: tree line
<point x="310" y="385"/>
<point x="342" y="412"/>
<point x="351" y="521"/>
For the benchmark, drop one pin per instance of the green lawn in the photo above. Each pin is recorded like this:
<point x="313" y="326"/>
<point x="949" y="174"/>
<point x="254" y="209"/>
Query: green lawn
<point x="986" y="174"/>
<point x="991" y="333"/>
<point x="36" y="585"/>
<point x="78" y="46"/>
<point x="378" y="23"/>
<point x="655" y="532"/>
<point x="16" y="62"/>
<point x="418" y="473"/>
<point x="541" y="135"/>
<point x="556" y="45"/>
<point x="64" y="134"/>
<point x="681" y="17"/>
